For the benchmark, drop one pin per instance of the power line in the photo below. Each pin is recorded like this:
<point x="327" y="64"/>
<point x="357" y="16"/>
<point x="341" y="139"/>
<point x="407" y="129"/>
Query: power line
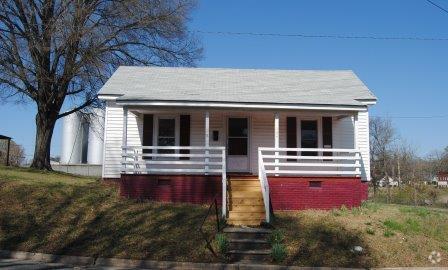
<point x="413" y="117"/>
<point x="300" y="35"/>
<point x="438" y="6"/>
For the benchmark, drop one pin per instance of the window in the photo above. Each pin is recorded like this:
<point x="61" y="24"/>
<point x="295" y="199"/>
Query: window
<point x="309" y="136"/>
<point x="166" y="134"/>
<point x="238" y="137"/>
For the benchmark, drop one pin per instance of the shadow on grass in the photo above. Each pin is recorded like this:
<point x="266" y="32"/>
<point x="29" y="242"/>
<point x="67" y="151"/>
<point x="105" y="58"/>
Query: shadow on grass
<point x="322" y="242"/>
<point x="91" y="220"/>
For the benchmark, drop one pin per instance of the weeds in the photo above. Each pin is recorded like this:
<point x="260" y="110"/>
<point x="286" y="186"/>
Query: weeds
<point x="278" y="252"/>
<point x="222" y="243"/>
<point x="388" y="233"/>
<point x="419" y="211"/>
<point x="393" y="225"/>
<point x="276" y="237"/>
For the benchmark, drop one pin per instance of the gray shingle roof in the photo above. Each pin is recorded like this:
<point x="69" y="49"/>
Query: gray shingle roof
<point x="237" y="85"/>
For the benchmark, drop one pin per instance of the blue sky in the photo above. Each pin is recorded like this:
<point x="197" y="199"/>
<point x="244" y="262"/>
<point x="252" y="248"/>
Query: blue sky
<point x="410" y="78"/>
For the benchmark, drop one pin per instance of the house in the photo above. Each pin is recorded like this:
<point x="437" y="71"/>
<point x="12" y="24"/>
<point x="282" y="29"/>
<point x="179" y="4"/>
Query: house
<point x="388" y="181"/>
<point x="442" y="179"/>
<point x="258" y="140"/>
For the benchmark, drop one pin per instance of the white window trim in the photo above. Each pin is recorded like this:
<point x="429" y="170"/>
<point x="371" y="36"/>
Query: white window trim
<point x="318" y="119"/>
<point x="176" y="129"/>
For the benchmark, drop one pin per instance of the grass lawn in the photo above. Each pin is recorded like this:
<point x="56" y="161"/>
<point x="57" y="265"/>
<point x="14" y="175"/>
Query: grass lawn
<point x="63" y="214"/>
<point x="390" y="235"/>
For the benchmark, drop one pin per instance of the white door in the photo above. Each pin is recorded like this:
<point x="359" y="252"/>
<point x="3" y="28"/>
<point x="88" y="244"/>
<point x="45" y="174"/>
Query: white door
<point x="238" y="144"/>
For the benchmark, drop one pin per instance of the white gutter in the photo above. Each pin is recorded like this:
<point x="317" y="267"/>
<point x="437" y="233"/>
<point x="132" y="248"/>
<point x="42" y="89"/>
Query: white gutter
<point x="228" y="105"/>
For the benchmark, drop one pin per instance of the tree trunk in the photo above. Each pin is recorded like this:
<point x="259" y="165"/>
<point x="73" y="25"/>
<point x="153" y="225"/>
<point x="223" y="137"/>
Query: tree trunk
<point x="45" y="122"/>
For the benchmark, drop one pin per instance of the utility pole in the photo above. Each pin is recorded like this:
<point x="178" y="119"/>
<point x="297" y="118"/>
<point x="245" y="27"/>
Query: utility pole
<point x="7" y="152"/>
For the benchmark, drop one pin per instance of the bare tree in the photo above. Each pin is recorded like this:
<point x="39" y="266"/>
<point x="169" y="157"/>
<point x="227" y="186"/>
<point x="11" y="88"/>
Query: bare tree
<point x="382" y="137"/>
<point x="438" y="162"/>
<point x="16" y="153"/>
<point x="59" y="53"/>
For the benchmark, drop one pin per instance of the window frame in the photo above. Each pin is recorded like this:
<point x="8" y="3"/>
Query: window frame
<point x="247" y="137"/>
<point x="318" y="119"/>
<point x="176" y="118"/>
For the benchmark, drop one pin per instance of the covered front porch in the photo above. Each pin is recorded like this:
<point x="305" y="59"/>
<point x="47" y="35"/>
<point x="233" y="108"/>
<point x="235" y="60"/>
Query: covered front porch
<point x="181" y="143"/>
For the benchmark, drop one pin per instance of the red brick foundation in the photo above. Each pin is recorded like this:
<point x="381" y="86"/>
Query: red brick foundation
<point x="287" y="193"/>
<point x="297" y="193"/>
<point x="197" y="189"/>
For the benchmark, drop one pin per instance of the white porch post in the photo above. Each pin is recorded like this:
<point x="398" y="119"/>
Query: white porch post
<point x="125" y="135"/>
<point x="355" y="143"/>
<point x="276" y="136"/>
<point x="207" y="139"/>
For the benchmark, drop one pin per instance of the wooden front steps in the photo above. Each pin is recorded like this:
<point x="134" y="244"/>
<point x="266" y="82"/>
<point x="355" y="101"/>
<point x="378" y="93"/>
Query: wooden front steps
<point x="246" y="206"/>
<point x="248" y="244"/>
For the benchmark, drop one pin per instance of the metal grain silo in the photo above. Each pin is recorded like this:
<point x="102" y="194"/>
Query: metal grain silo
<point x="96" y="132"/>
<point x="72" y="135"/>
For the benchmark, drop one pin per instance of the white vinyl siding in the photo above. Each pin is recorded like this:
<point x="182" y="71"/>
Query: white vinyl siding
<point x="364" y="144"/>
<point x="261" y="126"/>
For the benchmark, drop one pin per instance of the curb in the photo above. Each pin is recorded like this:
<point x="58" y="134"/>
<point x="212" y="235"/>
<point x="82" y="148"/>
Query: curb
<point x="150" y="264"/>
<point x="48" y="258"/>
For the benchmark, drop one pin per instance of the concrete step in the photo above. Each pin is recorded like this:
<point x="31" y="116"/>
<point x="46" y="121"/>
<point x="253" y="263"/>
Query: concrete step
<point x="245" y="221"/>
<point x="249" y="244"/>
<point x="246" y="230"/>
<point x="247" y="233"/>
<point x="258" y="256"/>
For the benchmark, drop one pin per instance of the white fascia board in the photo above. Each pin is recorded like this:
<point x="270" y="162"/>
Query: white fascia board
<point x="367" y="102"/>
<point x="242" y="105"/>
<point x="108" y="97"/>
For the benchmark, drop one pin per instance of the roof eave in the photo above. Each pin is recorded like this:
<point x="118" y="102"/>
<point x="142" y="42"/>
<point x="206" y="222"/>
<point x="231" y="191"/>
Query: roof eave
<point x="241" y="105"/>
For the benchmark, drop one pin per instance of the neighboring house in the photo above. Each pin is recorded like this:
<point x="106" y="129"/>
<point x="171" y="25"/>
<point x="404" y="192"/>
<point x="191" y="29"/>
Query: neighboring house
<point x="388" y="181"/>
<point x="442" y="179"/>
<point x="190" y="134"/>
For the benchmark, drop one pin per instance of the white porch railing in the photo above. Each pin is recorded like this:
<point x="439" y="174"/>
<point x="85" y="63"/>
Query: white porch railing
<point x="292" y="161"/>
<point x="177" y="160"/>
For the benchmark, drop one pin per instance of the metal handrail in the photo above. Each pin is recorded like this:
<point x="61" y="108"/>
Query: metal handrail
<point x="218" y="226"/>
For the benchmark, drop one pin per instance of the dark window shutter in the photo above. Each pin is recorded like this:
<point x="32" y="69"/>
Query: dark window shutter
<point x="291" y="135"/>
<point x="148" y="128"/>
<point x="327" y="134"/>
<point x="184" y="139"/>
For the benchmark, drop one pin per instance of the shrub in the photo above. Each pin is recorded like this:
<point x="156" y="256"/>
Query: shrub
<point x="222" y="243"/>
<point x="278" y="252"/>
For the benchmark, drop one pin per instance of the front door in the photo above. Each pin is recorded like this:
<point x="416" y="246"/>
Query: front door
<point x="238" y="144"/>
